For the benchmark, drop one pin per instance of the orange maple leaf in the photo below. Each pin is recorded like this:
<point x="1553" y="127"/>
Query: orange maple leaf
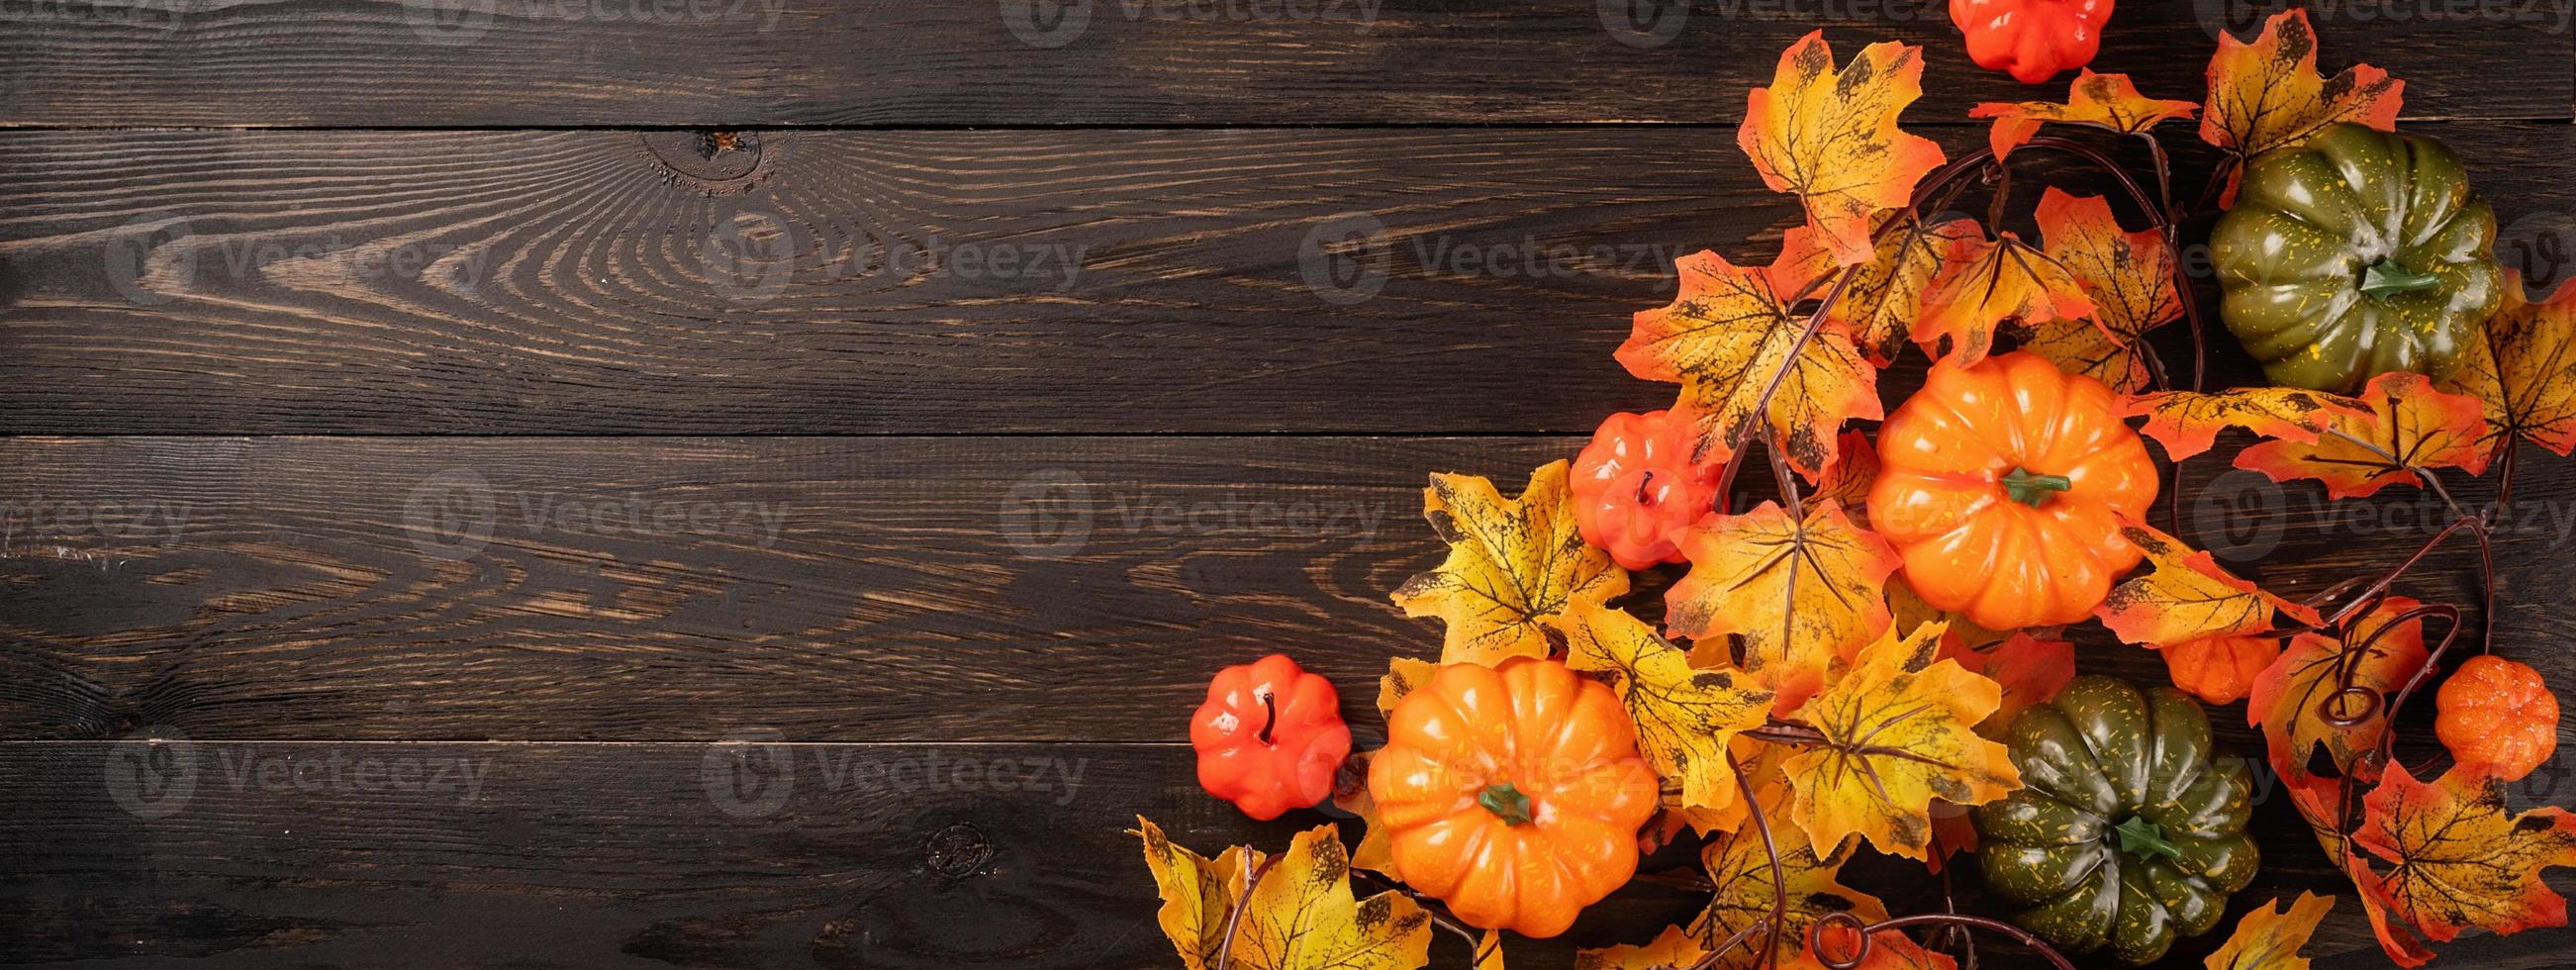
<point x="2127" y="275"/>
<point x="2267" y="94"/>
<point x="1801" y="592"/>
<point x="2411" y="426"/>
<point x="2100" y="100"/>
<point x="2526" y="379"/>
<point x="2186" y="422"/>
<point x="1725" y="339"/>
<point x="1997" y="281"/>
<point x="2187" y="596"/>
<point x="1831" y="137"/>
<point x="2457" y="861"/>
<point x="2269" y="938"/>
<point x="2030" y="671"/>
<point x="2288" y="700"/>
<point x="1847" y="482"/>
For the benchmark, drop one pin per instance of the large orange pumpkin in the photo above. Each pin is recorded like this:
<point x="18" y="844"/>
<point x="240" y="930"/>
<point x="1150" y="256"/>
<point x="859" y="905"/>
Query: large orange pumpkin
<point x="1514" y="793"/>
<point x="2002" y="485"/>
<point x="2497" y="713"/>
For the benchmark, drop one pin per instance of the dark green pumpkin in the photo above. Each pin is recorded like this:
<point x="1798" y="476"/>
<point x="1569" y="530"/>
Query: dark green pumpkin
<point x="2357" y="253"/>
<point x="2125" y="834"/>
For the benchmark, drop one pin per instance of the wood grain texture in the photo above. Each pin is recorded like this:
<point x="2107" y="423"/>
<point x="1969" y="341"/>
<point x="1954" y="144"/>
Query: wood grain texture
<point x="446" y="63"/>
<point x="938" y="589"/>
<point x="845" y="282"/>
<point x="745" y="853"/>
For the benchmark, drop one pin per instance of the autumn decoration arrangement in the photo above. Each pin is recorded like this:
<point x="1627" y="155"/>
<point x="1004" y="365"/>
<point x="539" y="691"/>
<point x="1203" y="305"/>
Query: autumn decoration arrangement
<point x="1876" y="659"/>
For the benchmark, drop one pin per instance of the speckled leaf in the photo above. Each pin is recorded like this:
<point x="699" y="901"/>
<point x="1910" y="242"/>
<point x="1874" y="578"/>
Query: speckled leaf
<point x="2525" y="382"/>
<point x="1513" y="568"/>
<point x="1301" y="916"/>
<point x="1996" y="281"/>
<point x="2269" y="938"/>
<point x="1900" y="731"/>
<point x="1742" y="873"/>
<point x="1671" y="948"/>
<point x="2456" y="860"/>
<point x="1685" y="716"/>
<point x="1800" y="592"/>
<point x="1198" y="893"/>
<point x="2411" y="425"/>
<point x="2186" y="422"/>
<point x="2287" y="698"/>
<point x="1830" y="136"/>
<point x="1878" y="308"/>
<point x="1402" y="675"/>
<point x="2268" y="94"/>
<point x="1725" y="338"/>
<point x="2127" y="275"/>
<point x="2100" y="100"/>
<point x="2186" y="596"/>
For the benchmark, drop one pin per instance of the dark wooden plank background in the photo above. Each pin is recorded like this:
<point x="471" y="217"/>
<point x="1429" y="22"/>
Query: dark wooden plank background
<point x="763" y="483"/>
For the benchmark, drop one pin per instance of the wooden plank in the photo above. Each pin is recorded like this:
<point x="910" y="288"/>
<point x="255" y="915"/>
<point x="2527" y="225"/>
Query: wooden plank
<point x="749" y="853"/>
<point x="446" y="63"/>
<point x="907" y="589"/>
<point x="895" y="282"/>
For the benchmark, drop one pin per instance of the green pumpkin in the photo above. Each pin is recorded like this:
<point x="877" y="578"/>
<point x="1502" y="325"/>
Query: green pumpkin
<point x="2358" y="253"/>
<point x="2124" y="833"/>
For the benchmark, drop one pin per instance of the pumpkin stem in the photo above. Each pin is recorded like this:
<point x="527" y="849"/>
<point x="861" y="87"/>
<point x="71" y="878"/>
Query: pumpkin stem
<point x="2386" y="277"/>
<point x="2138" y="836"/>
<point x="1644" y="483"/>
<point x="1269" y="717"/>
<point x="2033" y="490"/>
<point x="1506" y="802"/>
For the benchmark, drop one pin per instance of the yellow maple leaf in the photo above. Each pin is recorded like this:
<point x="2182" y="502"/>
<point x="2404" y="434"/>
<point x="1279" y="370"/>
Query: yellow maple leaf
<point x="2525" y="382"/>
<point x="1886" y="294"/>
<point x="1489" y="951"/>
<point x="2186" y="597"/>
<point x="2268" y="94"/>
<point x="1855" y="468"/>
<point x="2186" y="422"/>
<point x="2127" y="275"/>
<point x="2100" y="100"/>
<point x="1899" y="731"/>
<point x="1799" y="591"/>
<point x="2457" y="861"/>
<point x="1685" y="716"/>
<point x="2411" y="426"/>
<point x="1402" y="675"/>
<point x="1376" y="851"/>
<point x="1297" y="914"/>
<point x="1669" y="949"/>
<point x="1741" y="872"/>
<point x="1831" y="137"/>
<point x="1513" y="568"/>
<point x="2269" y="938"/>
<point x="1999" y="280"/>
<point x="1725" y="339"/>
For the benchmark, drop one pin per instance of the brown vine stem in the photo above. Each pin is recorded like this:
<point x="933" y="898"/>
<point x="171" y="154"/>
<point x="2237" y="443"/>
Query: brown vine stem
<point x="1709" y="959"/>
<point x="1242" y="903"/>
<point x="1866" y="930"/>
<point x="1779" y="881"/>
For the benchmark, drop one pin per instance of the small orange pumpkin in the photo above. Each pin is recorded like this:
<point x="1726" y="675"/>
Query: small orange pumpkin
<point x="2220" y="670"/>
<point x="2497" y="713"/>
<point x="2003" y="483"/>
<point x="1514" y="793"/>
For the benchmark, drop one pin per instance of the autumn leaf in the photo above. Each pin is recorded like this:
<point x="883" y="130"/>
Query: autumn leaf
<point x="1513" y="567"/>
<point x="2268" y="94"/>
<point x="2410" y="426"/>
<point x="1742" y="873"/>
<point x="1725" y="338"/>
<point x="1899" y="731"/>
<point x="1671" y="948"/>
<point x="2101" y="100"/>
<point x="2127" y="275"/>
<point x="2186" y="597"/>
<point x="2525" y="383"/>
<point x="2028" y="669"/>
<point x="1911" y="612"/>
<point x="1402" y="675"/>
<point x="1997" y="281"/>
<point x="2287" y="699"/>
<point x="2269" y="938"/>
<point x="1376" y="851"/>
<point x="1799" y="591"/>
<point x="1886" y="294"/>
<point x="1830" y="136"/>
<point x="2320" y="802"/>
<point x="1298" y="915"/>
<point x="1685" y="717"/>
<point x="1847" y="482"/>
<point x="1489" y="951"/>
<point x="2186" y="422"/>
<point x="2456" y="861"/>
<point x="1888" y="950"/>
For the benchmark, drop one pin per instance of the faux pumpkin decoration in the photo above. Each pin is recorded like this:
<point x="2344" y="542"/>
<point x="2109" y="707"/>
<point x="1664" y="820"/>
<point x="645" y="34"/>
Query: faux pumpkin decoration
<point x="2357" y="253"/>
<point x="1635" y="486"/>
<point x="1512" y="792"/>
<point x="2497" y="713"/>
<point x="2032" y="40"/>
<point x="2125" y="834"/>
<point x="2220" y="670"/>
<point x="2002" y="485"/>
<point x="1269" y="737"/>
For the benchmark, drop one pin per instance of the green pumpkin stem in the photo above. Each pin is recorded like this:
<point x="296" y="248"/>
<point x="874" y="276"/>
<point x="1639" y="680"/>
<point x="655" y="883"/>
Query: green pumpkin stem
<point x="2033" y="490"/>
<point x="1506" y="802"/>
<point x="2141" y="837"/>
<point x="2386" y="277"/>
